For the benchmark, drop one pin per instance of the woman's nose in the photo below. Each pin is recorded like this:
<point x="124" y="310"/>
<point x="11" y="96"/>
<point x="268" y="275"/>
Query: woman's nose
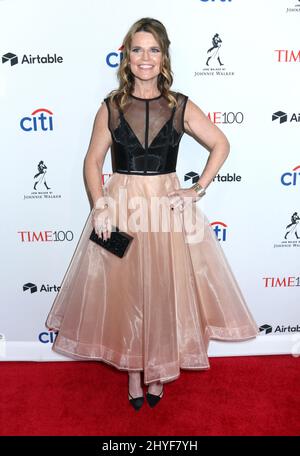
<point x="145" y="55"/>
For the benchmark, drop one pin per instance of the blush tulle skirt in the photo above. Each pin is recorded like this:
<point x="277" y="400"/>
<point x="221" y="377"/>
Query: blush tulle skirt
<point x="156" y="309"/>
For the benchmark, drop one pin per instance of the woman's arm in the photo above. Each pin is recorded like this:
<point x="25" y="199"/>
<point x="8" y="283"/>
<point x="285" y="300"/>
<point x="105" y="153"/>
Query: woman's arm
<point x="99" y="144"/>
<point x="199" y="126"/>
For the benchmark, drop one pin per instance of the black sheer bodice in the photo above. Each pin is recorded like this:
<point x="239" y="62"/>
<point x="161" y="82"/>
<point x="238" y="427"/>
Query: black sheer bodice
<point x="146" y="135"/>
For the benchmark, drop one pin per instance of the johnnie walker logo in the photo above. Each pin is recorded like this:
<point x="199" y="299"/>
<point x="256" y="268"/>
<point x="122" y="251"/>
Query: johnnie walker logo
<point x="294" y="6"/>
<point x="40" y="185"/>
<point x="291" y="237"/>
<point x="213" y="60"/>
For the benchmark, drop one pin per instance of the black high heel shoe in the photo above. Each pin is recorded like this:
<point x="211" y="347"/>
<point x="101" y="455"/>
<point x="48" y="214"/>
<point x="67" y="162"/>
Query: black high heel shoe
<point x="136" y="402"/>
<point x="154" y="399"/>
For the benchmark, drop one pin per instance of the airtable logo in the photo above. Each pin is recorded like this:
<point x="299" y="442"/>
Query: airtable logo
<point x="283" y="117"/>
<point x="43" y="121"/>
<point x="29" y="59"/>
<point x="32" y="287"/>
<point x="268" y="329"/>
<point x="191" y="175"/>
<point x="10" y="57"/>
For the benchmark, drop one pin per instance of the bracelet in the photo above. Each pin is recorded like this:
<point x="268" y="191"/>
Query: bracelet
<point x="199" y="189"/>
<point x="99" y="203"/>
<point x="100" y="208"/>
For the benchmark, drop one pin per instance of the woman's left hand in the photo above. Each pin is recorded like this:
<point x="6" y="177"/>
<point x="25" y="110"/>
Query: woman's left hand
<point x="182" y="197"/>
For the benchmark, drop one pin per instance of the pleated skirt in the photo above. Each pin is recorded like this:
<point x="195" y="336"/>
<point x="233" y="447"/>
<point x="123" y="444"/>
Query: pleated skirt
<point x="156" y="309"/>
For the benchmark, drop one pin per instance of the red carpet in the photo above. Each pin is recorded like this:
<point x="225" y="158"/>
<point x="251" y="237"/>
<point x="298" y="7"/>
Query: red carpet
<point x="237" y="396"/>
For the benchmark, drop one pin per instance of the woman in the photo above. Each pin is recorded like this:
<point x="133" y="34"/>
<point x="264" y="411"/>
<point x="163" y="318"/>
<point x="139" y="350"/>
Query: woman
<point x="155" y="309"/>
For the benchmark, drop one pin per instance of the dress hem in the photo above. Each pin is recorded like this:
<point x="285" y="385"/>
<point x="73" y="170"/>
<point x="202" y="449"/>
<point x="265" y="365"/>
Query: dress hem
<point x="141" y="369"/>
<point x="126" y="366"/>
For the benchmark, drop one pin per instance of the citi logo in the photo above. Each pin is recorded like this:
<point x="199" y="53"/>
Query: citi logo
<point x="11" y="58"/>
<point x="287" y="56"/>
<point x="282" y="117"/>
<point x="220" y="228"/>
<point x="113" y="59"/>
<point x="39" y="120"/>
<point x="281" y="282"/>
<point x="291" y="177"/>
<point x="32" y="287"/>
<point x="47" y="337"/>
<point x="45" y="236"/>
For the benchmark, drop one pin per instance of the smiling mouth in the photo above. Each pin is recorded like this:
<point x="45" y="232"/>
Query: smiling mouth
<point x="145" y="67"/>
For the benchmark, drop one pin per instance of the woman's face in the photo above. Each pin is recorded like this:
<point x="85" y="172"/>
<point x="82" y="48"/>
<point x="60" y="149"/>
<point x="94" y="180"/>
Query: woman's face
<point x="145" y="56"/>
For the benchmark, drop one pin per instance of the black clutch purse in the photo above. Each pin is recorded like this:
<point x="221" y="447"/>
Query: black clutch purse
<point x="117" y="244"/>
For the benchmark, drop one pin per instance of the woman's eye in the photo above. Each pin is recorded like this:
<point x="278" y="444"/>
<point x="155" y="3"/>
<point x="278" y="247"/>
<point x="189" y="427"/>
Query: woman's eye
<point x="153" y="50"/>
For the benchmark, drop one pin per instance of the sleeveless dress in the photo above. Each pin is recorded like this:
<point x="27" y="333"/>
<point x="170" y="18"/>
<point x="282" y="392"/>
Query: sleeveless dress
<point x="156" y="309"/>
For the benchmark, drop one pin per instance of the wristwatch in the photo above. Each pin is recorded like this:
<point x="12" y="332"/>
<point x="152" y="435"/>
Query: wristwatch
<point x="199" y="189"/>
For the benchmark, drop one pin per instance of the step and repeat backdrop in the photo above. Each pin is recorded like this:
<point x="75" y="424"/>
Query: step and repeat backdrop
<point x="239" y="61"/>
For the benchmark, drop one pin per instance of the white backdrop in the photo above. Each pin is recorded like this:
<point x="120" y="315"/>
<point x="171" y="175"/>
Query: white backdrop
<point x="60" y="58"/>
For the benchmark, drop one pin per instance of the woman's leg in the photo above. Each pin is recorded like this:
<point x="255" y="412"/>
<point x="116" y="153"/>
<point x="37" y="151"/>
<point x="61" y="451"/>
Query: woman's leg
<point x="155" y="388"/>
<point x="135" y="388"/>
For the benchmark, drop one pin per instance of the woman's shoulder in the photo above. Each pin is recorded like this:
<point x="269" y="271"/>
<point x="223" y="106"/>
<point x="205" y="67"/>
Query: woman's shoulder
<point x="108" y="96"/>
<point x="110" y="101"/>
<point x="180" y="96"/>
<point x="181" y="99"/>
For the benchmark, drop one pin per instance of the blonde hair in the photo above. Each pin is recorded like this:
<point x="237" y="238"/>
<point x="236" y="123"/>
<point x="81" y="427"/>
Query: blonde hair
<point x="124" y="74"/>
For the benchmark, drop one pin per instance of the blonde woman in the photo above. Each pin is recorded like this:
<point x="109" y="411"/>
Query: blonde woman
<point x="153" y="311"/>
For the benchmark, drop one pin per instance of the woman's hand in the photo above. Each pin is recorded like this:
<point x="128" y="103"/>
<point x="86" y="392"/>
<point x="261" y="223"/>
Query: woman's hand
<point x="102" y="223"/>
<point x="183" y="197"/>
